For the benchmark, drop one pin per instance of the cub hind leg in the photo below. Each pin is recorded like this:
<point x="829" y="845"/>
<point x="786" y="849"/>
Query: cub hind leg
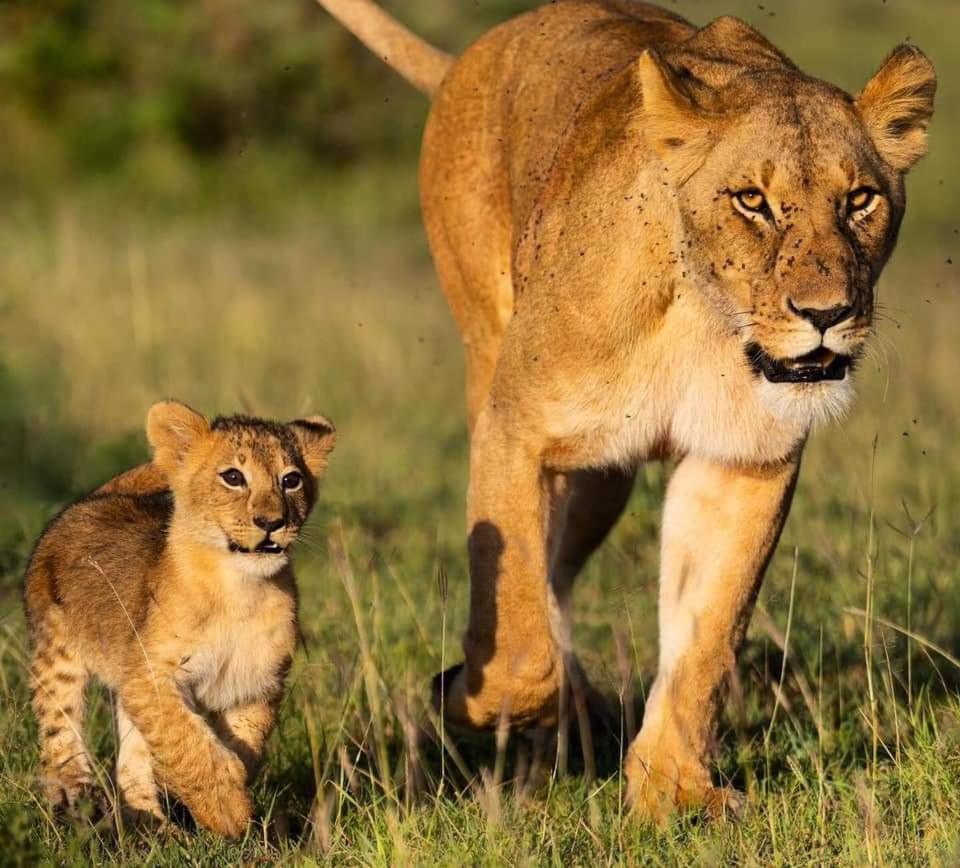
<point x="58" y="680"/>
<point x="140" y="800"/>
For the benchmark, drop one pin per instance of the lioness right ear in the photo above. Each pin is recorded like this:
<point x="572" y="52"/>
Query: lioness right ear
<point x="316" y="437"/>
<point x="678" y="130"/>
<point x="172" y="428"/>
<point x="897" y="104"/>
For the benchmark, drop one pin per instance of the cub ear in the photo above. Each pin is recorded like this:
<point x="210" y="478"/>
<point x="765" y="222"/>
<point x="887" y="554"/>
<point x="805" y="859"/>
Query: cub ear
<point x="679" y="131"/>
<point x="897" y="104"/>
<point x="172" y="428"/>
<point x="316" y="438"/>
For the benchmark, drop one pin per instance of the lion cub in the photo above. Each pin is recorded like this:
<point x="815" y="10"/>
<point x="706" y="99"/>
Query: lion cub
<point x="172" y="584"/>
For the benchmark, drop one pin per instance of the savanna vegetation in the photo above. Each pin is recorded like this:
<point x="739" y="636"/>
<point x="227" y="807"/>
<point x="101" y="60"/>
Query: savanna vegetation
<point x="217" y="201"/>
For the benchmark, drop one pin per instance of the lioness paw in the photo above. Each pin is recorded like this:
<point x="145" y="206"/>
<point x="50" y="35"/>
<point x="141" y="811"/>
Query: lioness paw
<point x="481" y="703"/>
<point x="657" y="791"/>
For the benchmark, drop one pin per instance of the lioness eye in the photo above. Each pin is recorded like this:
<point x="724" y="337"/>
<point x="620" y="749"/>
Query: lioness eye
<point x="751" y="200"/>
<point x="233" y="478"/>
<point x="860" y="200"/>
<point x="291" y="481"/>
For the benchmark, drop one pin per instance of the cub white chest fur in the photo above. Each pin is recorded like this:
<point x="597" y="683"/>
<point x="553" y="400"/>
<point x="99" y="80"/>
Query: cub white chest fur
<point x="245" y="640"/>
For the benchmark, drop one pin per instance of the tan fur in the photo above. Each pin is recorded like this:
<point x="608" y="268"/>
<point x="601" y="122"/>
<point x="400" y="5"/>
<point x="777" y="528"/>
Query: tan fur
<point x="419" y="63"/>
<point x="583" y="179"/>
<point x="897" y="105"/>
<point x="140" y="585"/>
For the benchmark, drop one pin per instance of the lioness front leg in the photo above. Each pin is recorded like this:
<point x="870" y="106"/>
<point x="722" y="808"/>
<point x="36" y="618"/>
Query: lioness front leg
<point x="511" y="666"/>
<point x="720" y="527"/>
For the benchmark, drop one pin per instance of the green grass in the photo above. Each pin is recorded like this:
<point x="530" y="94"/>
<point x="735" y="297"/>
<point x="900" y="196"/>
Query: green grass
<point x="103" y="315"/>
<point x="264" y="283"/>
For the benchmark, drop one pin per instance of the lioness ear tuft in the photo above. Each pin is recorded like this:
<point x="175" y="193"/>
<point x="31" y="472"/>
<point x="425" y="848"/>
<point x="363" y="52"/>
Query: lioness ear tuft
<point x="316" y="436"/>
<point x="678" y="130"/>
<point x="897" y="104"/>
<point x="172" y="428"/>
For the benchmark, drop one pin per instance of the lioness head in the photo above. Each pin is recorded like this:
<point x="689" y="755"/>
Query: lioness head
<point x="241" y="485"/>
<point x="790" y="195"/>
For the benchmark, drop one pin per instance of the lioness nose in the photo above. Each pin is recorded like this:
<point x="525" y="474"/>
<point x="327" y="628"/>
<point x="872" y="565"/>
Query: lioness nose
<point x="269" y="524"/>
<point x="821" y="318"/>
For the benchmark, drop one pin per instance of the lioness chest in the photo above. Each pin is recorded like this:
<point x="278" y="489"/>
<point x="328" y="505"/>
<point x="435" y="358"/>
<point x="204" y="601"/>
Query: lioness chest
<point x="686" y="390"/>
<point x="241" y="649"/>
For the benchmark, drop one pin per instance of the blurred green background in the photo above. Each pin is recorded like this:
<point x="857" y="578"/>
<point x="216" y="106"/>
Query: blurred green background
<point x="182" y="105"/>
<point x="217" y="201"/>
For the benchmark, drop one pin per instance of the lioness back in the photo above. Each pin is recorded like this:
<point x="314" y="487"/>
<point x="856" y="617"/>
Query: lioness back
<point x="511" y="97"/>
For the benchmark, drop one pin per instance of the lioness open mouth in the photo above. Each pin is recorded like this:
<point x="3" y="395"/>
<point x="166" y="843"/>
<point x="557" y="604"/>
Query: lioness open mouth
<point x="818" y="366"/>
<point x="267" y="547"/>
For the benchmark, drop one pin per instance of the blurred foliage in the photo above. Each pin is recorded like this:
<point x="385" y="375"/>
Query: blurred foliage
<point x="87" y="85"/>
<point x="156" y="94"/>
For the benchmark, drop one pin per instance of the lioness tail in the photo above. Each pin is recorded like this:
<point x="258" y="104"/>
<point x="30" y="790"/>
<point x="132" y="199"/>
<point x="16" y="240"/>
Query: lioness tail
<point x="418" y="62"/>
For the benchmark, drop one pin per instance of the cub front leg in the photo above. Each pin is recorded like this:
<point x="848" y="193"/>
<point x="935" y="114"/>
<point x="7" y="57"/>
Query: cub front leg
<point x="187" y="755"/>
<point x="245" y="730"/>
<point x="140" y="800"/>
<point x="720" y="527"/>
<point x="511" y="664"/>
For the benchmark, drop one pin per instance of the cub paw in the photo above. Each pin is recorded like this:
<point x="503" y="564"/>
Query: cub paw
<point x="77" y="801"/>
<point x="225" y="805"/>
<point x="225" y="810"/>
<point x="236" y="811"/>
<point x="145" y="820"/>
<point x="724" y="803"/>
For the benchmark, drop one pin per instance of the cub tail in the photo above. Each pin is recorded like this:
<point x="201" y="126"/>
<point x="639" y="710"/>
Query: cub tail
<point x="417" y="61"/>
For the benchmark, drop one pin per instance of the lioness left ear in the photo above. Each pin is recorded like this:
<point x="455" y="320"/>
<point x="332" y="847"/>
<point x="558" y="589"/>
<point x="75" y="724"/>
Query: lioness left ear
<point x="316" y="438"/>
<point x="678" y="130"/>
<point x="897" y="104"/>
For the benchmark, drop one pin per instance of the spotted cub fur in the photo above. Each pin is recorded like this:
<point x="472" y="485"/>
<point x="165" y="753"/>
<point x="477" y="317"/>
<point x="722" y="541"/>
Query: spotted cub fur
<point x="172" y="585"/>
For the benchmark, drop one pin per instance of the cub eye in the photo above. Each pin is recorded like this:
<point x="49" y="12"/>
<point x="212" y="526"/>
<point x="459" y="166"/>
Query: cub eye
<point x="291" y="481"/>
<point x="860" y="200"/>
<point x="233" y="477"/>
<point x="752" y="201"/>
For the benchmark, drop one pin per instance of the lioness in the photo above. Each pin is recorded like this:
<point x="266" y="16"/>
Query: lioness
<point x="658" y="241"/>
<point x="172" y="584"/>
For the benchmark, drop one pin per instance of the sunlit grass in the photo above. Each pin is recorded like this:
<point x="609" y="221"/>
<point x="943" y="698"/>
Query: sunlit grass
<point x="105" y="313"/>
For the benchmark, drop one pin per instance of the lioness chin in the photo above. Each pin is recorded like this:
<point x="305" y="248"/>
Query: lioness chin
<point x="658" y="241"/>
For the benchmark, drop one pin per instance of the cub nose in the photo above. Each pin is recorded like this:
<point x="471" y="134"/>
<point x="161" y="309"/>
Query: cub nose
<point x="822" y="318"/>
<point x="269" y="524"/>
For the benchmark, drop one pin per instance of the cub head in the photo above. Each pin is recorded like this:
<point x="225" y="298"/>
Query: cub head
<point x="790" y="195"/>
<point x="241" y="485"/>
